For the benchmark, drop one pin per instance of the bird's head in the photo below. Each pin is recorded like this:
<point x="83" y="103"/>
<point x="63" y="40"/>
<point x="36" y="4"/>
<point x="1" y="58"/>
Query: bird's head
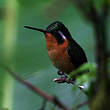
<point x="57" y="30"/>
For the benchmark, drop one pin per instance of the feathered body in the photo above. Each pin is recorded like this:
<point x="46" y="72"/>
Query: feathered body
<point x="64" y="52"/>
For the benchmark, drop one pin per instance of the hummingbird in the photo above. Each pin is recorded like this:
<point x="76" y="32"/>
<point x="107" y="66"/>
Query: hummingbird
<point x="64" y="52"/>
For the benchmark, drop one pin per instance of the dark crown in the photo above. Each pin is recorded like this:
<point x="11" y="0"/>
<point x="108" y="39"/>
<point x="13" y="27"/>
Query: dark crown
<point x="59" y="26"/>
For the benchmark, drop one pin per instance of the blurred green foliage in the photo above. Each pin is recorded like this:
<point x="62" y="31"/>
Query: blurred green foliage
<point x="85" y="80"/>
<point x="25" y="51"/>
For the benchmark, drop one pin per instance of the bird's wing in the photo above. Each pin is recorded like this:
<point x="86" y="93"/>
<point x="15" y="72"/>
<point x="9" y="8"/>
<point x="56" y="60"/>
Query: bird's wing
<point x="76" y="53"/>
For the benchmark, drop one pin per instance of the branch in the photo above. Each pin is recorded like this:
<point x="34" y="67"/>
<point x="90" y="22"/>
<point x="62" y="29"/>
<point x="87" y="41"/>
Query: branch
<point x="81" y="105"/>
<point x="108" y="54"/>
<point x="90" y="13"/>
<point x="43" y="105"/>
<point x="106" y="8"/>
<point x="37" y="90"/>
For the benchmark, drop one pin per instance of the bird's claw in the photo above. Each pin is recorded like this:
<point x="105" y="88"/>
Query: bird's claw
<point x="63" y="79"/>
<point x="58" y="80"/>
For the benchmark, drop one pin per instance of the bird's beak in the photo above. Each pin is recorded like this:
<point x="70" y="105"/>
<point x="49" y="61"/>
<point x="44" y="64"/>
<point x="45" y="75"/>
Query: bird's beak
<point x="33" y="28"/>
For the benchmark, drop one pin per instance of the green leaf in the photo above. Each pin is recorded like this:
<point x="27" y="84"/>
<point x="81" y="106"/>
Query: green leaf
<point x="87" y="68"/>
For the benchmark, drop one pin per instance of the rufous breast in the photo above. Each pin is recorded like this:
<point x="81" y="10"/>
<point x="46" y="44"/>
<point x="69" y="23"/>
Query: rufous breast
<point x="58" y="54"/>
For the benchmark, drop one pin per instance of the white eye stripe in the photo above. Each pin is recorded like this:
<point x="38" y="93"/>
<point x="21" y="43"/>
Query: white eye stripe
<point x="62" y="35"/>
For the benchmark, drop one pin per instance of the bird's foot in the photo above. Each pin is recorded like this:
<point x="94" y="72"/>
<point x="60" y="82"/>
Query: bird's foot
<point x="63" y="78"/>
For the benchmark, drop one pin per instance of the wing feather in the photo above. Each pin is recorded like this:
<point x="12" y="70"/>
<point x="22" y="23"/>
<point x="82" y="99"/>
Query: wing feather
<point x="76" y="53"/>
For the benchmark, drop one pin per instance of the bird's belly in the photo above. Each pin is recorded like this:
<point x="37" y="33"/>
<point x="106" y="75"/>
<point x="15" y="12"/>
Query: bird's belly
<point x="61" y="60"/>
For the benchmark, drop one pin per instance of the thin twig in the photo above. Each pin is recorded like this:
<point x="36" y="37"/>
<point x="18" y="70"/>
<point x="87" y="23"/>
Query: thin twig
<point x="81" y="105"/>
<point x="43" y="105"/>
<point x="38" y="91"/>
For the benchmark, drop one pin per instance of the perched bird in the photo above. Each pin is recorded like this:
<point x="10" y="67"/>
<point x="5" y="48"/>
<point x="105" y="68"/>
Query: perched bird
<point x="64" y="52"/>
